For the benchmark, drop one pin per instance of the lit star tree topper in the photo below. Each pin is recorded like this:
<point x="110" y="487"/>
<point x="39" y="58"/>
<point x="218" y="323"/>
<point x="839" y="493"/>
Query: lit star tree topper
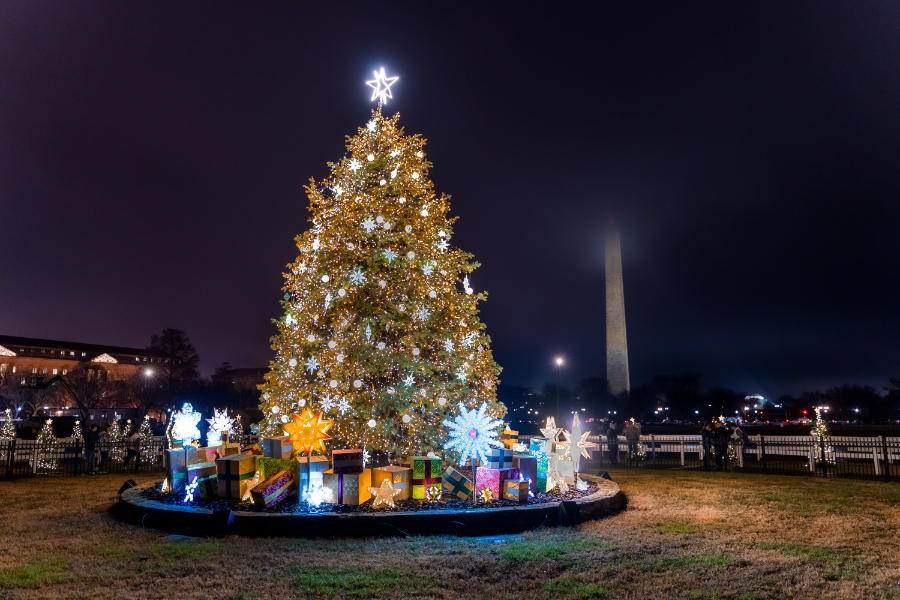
<point x="368" y="333"/>
<point x="472" y="434"/>
<point x="381" y="86"/>
<point x="307" y="432"/>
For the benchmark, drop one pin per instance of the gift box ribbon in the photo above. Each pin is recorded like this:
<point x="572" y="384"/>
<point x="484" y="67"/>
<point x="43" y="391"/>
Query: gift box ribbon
<point x="459" y="485"/>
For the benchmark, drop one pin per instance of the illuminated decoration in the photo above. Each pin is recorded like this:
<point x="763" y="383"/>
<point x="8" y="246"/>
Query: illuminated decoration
<point x="146" y="443"/>
<point x="165" y="486"/>
<point x="551" y="431"/>
<point x="472" y="434"/>
<point x="579" y="441"/>
<point x="105" y="358"/>
<point x="307" y="432"/>
<point x="432" y="494"/>
<point x="522" y="478"/>
<point x="250" y="486"/>
<point x="486" y="494"/>
<point x="381" y="87"/>
<point x="116" y="436"/>
<point x="184" y="424"/>
<point x="384" y="494"/>
<point x="822" y="437"/>
<point x="365" y="457"/>
<point x="8" y="431"/>
<point x="315" y="495"/>
<point x="6" y="352"/>
<point x="46" y="442"/>
<point x="554" y="476"/>
<point x="581" y="485"/>
<point x="77" y="431"/>
<point x="376" y="324"/>
<point x="237" y="430"/>
<point x="190" y="489"/>
<point x="219" y="425"/>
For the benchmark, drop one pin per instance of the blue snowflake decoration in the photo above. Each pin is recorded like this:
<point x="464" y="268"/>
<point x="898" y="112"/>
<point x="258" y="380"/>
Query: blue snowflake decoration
<point x="472" y="434"/>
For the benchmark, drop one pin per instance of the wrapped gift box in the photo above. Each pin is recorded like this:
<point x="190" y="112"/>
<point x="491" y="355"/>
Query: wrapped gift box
<point x="399" y="478"/>
<point x="235" y="473"/>
<point x="210" y="454"/>
<point x="277" y="447"/>
<point x="426" y="472"/>
<point x="207" y="479"/>
<point x="178" y="460"/>
<point x="540" y="444"/>
<point x="456" y="483"/>
<point x="232" y="449"/>
<point x="347" y="488"/>
<point x="500" y="458"/>
<point x="510" y="438"/>
<point x="274" y="489"/>
<point x="515" y="490"/>
<point x="347" y="461"/>
<point x="527" y="466"/>
<point x="493" y="479"/>
<point x="566" y="467"/>
<point x="269" y="466"/>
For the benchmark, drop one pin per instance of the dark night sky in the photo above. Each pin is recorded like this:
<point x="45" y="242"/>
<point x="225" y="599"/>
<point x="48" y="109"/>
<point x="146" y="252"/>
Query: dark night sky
<point x="152" y="158"/>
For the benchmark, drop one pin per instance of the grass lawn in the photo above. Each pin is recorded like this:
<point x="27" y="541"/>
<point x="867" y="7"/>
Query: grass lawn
<point x="685" y="535"/>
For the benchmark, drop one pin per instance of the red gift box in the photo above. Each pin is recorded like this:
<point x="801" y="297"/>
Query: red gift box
<point x="347" y="461"/>
<point x="493" y="479"/>
<point x="274" y="489"/>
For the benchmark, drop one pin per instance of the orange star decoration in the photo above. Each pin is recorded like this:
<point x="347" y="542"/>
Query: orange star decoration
<point x="308" y="431"/>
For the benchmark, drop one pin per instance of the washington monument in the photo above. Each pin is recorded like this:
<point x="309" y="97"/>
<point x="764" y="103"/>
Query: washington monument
<point x="616" y="342"/>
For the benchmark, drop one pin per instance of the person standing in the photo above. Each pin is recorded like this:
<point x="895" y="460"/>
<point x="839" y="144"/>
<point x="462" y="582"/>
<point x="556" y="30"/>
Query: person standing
<point x="90" y="442"/>
<point x="706" y="435"/>
<point x="633" y="437"/>
<point x="737" y="437"/>
<point x="612" y="443"/>
<point x="132" y="441"/>
<point x="104" y="442"/>
<point x="721" y="441"/>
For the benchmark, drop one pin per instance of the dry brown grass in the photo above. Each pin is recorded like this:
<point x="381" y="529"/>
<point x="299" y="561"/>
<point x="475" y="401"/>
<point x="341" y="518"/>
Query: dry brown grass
<point x="685" y="535"/>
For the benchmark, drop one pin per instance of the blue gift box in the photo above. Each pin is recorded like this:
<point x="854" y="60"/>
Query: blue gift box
<point x="500" y="458"/>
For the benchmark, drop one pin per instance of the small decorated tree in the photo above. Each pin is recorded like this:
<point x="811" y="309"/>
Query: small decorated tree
<point x="8" y="431"/>
<point x="78" y="431"/>
<point x="236" y="434"/>
<point x="822" y="438"/>
<point x="145" y="440"/>
<point x="47" y="443"/>
<point x="116" y="435"/>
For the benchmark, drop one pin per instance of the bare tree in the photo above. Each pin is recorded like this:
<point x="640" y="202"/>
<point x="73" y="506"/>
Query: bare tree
<point x="144" y="390"/>
<point x="179" y="360"/>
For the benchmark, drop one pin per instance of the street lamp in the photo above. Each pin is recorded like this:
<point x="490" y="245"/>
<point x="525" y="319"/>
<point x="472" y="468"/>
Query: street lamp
<point x="559" y="363"/>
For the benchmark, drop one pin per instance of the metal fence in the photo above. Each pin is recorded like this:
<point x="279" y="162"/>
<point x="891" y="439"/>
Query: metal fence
<point x="841" y="456"/>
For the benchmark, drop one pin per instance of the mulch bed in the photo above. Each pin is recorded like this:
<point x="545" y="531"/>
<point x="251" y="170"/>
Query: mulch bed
<point x="294" y="505"/>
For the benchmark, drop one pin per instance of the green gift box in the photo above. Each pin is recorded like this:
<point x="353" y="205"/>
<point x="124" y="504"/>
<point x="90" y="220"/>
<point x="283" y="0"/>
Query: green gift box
<point x="207" y="480"/>
<point x="426" y="472"/>
<point x="456" y="483"/>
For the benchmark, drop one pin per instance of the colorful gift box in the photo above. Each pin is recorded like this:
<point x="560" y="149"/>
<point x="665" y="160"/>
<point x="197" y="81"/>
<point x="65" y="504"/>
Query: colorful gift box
<point x="456" y="483"/>
<point x="347" y="461"/>
<point x="209" y="454"/>
<point x="398" y="476"/>
<point x="426" y="472"/>
<point x="269" y="466"/>
<point x="500" y="458"/>
<point x="493" y="479"/>
<point x="347" y="488"/>
<point x="540" y="444"/>
<point x="515" y="490"/>
<point x="509" y="437"/>
<point x="527" y="466"/>
<point x="277" y="447"/>
<point x="235" y="473"/>
<point x="178" y="461"/>
<point x="233" y="449"/>
<point x="566" y="467"/>
<point x="274" y="489"/>
<point x="207" y="479"/>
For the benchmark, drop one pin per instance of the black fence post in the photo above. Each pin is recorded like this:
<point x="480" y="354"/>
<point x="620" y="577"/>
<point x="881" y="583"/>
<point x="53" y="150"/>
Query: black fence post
<point x="78" y="461"/>
<point x="824" y="458"/>
<point x="887" y="462"/>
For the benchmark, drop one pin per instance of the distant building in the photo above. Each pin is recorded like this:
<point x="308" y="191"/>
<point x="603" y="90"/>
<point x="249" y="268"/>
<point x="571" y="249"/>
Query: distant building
<point x="43" y="359"/>
<point x="248" y="379"/>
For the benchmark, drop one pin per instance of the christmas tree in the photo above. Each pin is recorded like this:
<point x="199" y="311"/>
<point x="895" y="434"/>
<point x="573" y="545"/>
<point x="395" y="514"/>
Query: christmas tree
<point x="380" y="331"/>
<point x="116" y="435"/>
<point x="236" y="434"/>
<point x="77" y="431"/>
<point x="822" y="438"/>
<point x="47" y="442"/>
<point x="8" y="431"/>
<point x="145" y="441"/>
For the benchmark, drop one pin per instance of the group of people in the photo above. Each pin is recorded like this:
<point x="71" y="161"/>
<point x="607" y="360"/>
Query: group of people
<point x="632" y="433"/>
<point x="97" y="442"/>
<point x="717" y="438"/>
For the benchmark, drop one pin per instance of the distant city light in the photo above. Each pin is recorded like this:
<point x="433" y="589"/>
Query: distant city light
<point x="559" y="361"/>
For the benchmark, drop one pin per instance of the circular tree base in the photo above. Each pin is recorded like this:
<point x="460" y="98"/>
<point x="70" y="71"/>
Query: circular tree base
<point x="134" y="507"/>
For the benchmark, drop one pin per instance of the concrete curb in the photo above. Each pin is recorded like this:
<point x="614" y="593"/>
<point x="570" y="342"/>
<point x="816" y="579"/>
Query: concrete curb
<point x="136" y="509"/>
